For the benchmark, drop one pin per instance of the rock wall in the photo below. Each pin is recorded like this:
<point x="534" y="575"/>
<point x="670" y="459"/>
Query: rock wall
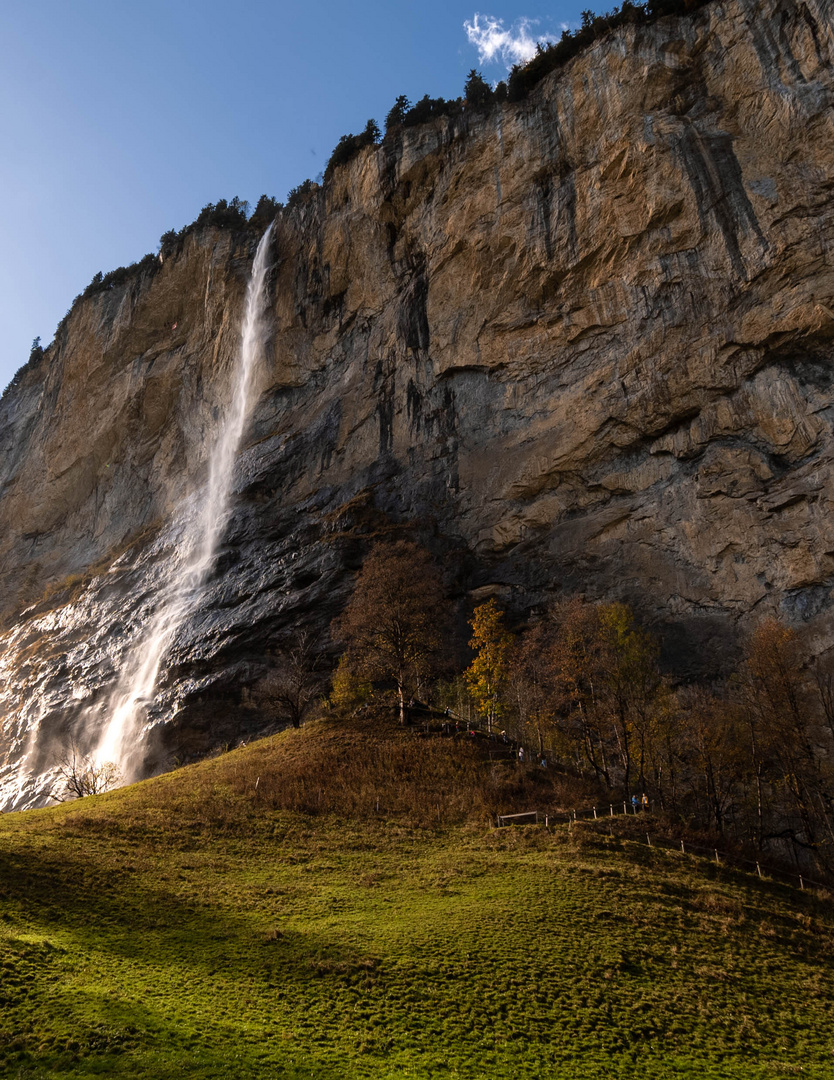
<point x="579" y="343"/>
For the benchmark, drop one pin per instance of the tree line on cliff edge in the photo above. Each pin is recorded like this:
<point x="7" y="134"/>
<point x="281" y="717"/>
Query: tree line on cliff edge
<point x="478" y="96"/>
<point x="749" y="756"/>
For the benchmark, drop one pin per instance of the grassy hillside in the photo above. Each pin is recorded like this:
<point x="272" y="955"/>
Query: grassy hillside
<point x="255" y="916"/>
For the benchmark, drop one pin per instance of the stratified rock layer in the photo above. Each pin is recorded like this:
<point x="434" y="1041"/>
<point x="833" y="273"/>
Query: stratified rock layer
<point x="579" y="343"/>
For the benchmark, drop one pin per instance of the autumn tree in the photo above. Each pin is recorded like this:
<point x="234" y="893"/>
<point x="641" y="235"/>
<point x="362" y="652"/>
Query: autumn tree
<point x="349" y="690"/>
<point x="393" y="624"/>
<point x="295" y="678"/>
<point x="488" y="673"/>
<point x="707" y="753"/>
<point x="605" y="686"/>
<point x="784" y="730"/>
<point x="532" y="683"/>
<point x="578" y="683"/>
<point x="630" y="679"/>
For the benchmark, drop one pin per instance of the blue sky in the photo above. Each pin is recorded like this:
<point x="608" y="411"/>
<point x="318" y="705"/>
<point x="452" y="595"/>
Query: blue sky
<point x="120" y="120"/>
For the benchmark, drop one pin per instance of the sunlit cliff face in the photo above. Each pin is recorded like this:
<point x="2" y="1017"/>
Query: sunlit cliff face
<point x="581" y="343"/>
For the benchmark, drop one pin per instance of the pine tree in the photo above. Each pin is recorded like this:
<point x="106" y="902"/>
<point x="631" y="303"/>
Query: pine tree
<point x="477" y="90"/>
<point x="396" y="116"/>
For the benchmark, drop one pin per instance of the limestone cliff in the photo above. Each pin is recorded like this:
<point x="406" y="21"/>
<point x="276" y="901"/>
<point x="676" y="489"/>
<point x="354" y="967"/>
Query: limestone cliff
<point x="582" y="342"/>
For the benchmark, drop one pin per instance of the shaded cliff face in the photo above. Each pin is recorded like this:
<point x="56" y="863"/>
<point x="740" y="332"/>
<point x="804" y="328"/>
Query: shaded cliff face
<point x="584" y="342"/>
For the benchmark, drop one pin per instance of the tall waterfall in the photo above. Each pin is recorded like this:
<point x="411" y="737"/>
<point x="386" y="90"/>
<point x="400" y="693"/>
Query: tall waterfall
<point x="121" y="742"/>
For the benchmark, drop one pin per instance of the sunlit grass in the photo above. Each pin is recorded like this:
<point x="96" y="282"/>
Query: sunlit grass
<point x="197" y="926"/>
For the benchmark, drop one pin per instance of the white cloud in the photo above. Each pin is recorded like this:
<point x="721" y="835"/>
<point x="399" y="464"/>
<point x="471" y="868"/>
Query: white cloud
<point x="494" y="41"/>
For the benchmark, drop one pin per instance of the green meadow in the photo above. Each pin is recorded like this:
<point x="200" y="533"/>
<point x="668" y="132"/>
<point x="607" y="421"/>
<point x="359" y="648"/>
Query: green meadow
<point x="257" y="916"/>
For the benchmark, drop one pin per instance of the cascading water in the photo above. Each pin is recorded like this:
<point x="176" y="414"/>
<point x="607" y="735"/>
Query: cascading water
<point x="121" y="742"/>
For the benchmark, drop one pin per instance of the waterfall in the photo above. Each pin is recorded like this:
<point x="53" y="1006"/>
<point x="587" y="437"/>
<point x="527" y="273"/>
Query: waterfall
<point x="120" y="741"/>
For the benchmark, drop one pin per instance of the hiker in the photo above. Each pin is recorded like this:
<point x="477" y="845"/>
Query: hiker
<point x="544" y="762"/>
<point x="645" y="801"/>
<point x="635" y="803"/>
<point x="521" y="755"/>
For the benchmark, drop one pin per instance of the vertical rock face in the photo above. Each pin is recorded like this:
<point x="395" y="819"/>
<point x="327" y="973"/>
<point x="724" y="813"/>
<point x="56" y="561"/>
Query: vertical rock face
<point x="582" y="342"/>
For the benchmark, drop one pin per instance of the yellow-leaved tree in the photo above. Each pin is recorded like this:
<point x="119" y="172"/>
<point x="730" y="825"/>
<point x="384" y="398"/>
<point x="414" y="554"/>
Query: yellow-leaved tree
<point x="488" y="673"/>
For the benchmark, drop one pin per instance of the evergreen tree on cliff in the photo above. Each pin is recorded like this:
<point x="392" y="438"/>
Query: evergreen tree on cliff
<point x="396" y="115"/>
<point x="476" y="90"/>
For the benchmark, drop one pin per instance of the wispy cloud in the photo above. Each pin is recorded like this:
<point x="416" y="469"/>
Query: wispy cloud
<point x="495" y="42"/>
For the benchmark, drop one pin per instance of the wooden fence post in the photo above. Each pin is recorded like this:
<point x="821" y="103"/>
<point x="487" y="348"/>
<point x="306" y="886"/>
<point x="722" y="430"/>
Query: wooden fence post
<point x="758" y="870"/>
<point x="683" y="849"/>
<point x="717" y="863"/>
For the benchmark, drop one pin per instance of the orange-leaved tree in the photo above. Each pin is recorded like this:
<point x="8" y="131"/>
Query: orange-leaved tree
<point x="393" y="624"/>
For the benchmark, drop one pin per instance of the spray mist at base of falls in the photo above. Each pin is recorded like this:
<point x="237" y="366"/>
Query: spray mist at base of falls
<point x="121" y="740"/>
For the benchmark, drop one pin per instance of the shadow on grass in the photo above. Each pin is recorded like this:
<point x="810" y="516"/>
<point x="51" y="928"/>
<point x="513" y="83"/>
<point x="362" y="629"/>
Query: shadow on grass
<point x="101" y="968"/>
